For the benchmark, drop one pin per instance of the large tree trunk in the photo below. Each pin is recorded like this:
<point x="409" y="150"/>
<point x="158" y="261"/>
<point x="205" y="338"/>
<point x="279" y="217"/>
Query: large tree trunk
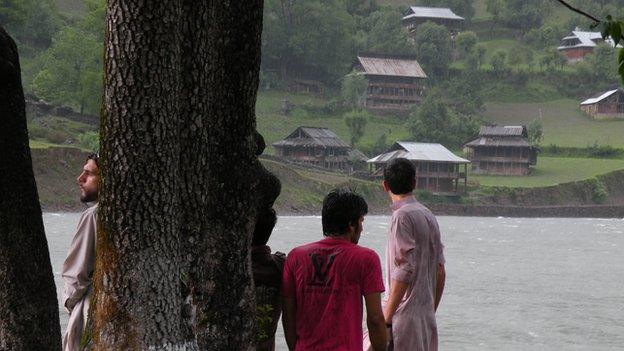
<point x="221" y="276"/>
<point x="179" y="176"/>
<point x="28" y="307"/>
<point x="137" y="300"/>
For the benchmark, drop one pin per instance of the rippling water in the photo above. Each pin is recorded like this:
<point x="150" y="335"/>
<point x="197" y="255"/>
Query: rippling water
<point x="512" y="283"/>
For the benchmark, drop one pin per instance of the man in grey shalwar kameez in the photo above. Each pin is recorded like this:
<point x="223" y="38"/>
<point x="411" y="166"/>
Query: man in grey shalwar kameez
<point x="78" y="266"/>
<point x="414" y="265"/>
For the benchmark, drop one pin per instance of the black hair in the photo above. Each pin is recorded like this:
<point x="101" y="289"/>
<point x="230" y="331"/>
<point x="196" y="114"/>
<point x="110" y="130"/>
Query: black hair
<point x="341" y="208"/>
<point x="264" y="226"/>
<point x="400" y="176"/>
<point x="95" y="157"/>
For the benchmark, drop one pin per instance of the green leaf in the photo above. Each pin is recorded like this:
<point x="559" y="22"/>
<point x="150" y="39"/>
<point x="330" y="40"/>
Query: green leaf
<point x="616" y="32"/>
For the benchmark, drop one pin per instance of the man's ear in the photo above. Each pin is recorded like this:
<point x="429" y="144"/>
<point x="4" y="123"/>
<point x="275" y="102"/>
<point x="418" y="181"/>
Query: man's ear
<point x="385" y="186"/>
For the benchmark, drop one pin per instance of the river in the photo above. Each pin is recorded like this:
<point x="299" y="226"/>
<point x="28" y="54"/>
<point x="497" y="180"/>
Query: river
<point x="512" y="283"/>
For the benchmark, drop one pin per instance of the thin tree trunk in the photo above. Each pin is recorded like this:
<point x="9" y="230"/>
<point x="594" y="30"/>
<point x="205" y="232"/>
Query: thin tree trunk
<point x="29" y="317"/>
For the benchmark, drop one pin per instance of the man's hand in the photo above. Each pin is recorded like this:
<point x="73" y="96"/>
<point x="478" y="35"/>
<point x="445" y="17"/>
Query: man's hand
<point x="397" y="291"/>
<point x="440" y="281"/>
<point x="289" y="307"/>
<point x="375" y="321"/>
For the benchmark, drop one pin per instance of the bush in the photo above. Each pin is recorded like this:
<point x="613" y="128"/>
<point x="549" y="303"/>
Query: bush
<point x="89" y="140"/>
<point x="599" y="191"/>
<point x="37" y="132"/>
<point x="57" y="137"/>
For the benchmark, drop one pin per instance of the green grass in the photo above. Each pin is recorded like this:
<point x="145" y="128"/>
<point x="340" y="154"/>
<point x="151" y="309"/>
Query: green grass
<point x="41" y="144"/>
<point x="564" y="123"/>
<point x="274" y="126"/>
<point x="552" y="171"/>
<point x="74" y="7"/>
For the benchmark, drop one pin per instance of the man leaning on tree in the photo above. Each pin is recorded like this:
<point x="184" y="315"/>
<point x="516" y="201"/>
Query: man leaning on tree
<point x="78" y="266"/>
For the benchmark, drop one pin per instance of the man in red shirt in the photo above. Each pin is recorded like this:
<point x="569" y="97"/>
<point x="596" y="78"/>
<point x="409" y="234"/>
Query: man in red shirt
<point x="323" y="283"/>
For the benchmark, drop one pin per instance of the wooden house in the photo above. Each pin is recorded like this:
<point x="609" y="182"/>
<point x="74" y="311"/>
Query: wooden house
<point x="502" y="150"/>
<point x="606" y="105"/>
<point x="319" y="147"/>
<point x="579" y="44"/>
<point x="417" y="15"/>
<point x="437" y="169"/>
<point x="394" y="83"/>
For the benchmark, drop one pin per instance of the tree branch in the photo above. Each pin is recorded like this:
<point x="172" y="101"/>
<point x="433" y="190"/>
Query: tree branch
<point x="562" y="2"/>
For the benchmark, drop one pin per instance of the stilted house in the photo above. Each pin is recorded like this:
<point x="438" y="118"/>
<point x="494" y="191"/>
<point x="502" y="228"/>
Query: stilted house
<point x="394" y="83"/>
<point x="417" y="15"/>
<point x="502" y="150"/>
<point x="437" y="169"/>
<point x="319" y="147"/>
<point x="580" y="44"/>
<point x="606" y="105"/>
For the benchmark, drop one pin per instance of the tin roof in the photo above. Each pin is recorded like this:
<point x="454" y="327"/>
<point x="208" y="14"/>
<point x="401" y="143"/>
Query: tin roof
<point x="383" y="65"/>
<point x="431" y="12"/>
<point x="432" y="152"/>
<point x="585" y="40"/>
<point x="499" y="141"/>
<point x="503" y="131"/>
<point x="598" y="98"/>
<point x="355" y="154"/>
<point x="312" y="136"/>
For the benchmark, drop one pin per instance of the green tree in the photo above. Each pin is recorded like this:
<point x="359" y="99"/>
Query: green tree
<point x="312" y="35"/>
<point x="499" y="63"/>
<point x="603" y="63"/>
<point x="31" y="21"/>
<point x="356" y="122"/>
<point x="494" y="8"/>
<point x="524" y="14"/>
<point x="353" y="89"/>
<point x="386" y="35"/>
<point x="72" y="71"/>
<point x="434" y="122"/>
<point x="466" y="41"/>
<point x="433" y="47"/>
<point x="535" y="131"/>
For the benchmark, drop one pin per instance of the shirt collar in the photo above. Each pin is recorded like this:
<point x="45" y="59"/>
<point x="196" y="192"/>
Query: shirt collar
<point x="398" y="204"/>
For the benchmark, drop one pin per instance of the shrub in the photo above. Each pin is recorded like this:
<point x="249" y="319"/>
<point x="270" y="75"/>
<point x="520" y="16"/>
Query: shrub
<point x="57" y="136"/>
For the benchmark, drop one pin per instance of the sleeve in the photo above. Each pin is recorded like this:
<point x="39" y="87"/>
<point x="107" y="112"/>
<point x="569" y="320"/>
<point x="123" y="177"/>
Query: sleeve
<point x="439" y="246"/>
<point x="288" y="277"/>
<point x="404" y="249"/>
<point x="78" y="266"/>
<point x="372" y="280"/>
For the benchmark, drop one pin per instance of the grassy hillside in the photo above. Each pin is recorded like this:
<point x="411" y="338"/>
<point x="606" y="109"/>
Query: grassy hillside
<point x="275" y="126"/>
<point x="563" y="121"/>
<point x="552" y="171"/>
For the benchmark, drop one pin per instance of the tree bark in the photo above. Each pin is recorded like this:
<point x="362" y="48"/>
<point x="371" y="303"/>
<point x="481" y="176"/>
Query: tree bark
<point x="29" y="317"/>
<point x="222" y="60"/>
<point x="137" y="300"/>
<point x="180" y="176"/>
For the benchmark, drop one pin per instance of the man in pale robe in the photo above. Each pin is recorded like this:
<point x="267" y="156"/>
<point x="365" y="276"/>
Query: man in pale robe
<point x="78" y="267"/>
<point x="415" y="269"/>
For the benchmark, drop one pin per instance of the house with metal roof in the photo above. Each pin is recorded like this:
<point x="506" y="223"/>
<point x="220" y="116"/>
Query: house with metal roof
<point x="394" y="83"/>
<point x="502" y="150"/>
<point x="605" y="105"/>
<point x="417" y="15"/>
<point x="319" y="147"/>
<point x="437" y="169"/>
<point x="580" y="44"/>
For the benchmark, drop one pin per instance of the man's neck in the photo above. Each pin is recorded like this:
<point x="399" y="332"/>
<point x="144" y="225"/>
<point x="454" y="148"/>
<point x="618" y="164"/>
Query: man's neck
<point x="401" y="197"/>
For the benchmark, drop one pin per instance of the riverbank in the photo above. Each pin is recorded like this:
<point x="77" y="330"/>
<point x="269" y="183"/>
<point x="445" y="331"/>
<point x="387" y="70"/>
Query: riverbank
<point x="303" y="190"/>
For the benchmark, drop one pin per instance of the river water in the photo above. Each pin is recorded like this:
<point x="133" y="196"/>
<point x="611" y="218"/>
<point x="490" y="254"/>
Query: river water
<point x="512" y="283"/>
